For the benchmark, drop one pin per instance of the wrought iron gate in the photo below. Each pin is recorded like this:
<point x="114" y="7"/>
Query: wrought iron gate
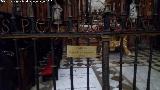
<point x="11" y="31"/>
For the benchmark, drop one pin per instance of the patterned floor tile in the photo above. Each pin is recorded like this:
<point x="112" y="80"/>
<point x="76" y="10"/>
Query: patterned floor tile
<point x="96" y="64"/>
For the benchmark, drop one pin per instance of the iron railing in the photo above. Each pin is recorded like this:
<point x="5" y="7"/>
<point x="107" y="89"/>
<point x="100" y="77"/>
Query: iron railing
<point x="17" y="35"/>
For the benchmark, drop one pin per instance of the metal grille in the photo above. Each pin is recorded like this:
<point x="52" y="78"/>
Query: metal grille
<point x="74" y="30"/>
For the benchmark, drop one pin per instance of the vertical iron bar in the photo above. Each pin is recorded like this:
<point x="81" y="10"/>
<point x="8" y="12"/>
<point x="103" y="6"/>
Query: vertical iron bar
<point x="123" y="21"/>
<point x="53" y="68"/>
<point x="18" y="68"/>
<point x="88" y="12"/>
<point x="36" y="64"/>
<point x="56" y="58"/>
<point x="70" y="24"/>
<point x="121" y="57"/>
<point x="71" y="59"/>
<point x="71" y="73"/>
<point x="71" y="68"/>
<point x="135" y="63"/>
<point x="86" y="6"/>
<point x="90" y="7"/>
<point x="88" y="65"/>
<point x="88" y="19"/>
<point x="78" y="19"/>
<point x="1" y="76"/>
<point x="105" y="66"/>
<point x="150" y="64"/>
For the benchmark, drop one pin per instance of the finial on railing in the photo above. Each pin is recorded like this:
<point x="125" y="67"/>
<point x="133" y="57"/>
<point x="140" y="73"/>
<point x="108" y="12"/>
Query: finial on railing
<point x="30" y="8"/>
<point x="49" y="9"/>
<point x="69" y="21"/>
<point x="106" y="16"/>
<point x="49" y="15"/>
<point x="31" y="15"/>
<point x="123" y="15"/>
<point x="155" y="15"/>
<point x="70" y="24"/>
<point x="123" y="20"/>
<point x="13" y="18"/>
<point x="155" y="8"/>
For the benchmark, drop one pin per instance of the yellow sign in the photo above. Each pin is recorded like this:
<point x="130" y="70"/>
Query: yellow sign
<point x="81" y="51"/>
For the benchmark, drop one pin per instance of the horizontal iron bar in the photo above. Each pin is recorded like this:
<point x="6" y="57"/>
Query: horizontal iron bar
<point x="79" y="34"/>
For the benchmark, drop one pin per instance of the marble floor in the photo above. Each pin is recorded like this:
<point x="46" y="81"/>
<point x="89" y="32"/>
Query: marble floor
<point x="80" y="79"/>
<point x="142" y="73"/>
<point x="96" y="72"/>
